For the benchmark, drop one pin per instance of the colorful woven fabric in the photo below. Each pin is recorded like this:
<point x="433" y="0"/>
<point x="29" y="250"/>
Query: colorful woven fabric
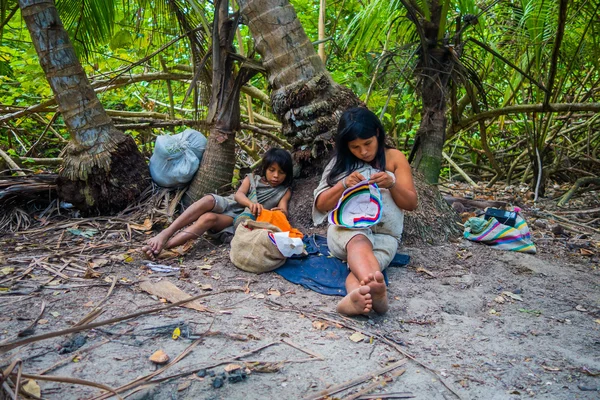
<point x="359" y="207"/>
<point x="500" y="236"/>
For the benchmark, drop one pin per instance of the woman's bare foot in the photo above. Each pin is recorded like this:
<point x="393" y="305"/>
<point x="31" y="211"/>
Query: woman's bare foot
<point x="155" y="245"/>
<point x="356" y="302"/>
<point x="378" y="291"/>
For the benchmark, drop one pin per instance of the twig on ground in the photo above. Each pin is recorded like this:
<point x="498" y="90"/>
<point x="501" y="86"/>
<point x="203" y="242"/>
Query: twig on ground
<point x="373" y="386"/>
<point x="9" y="346"/>
<point x="353" y="382"/>
<point x="76" y="381"/>
<point x="365" y="332"/>
<point x="567" y="222"/>
<point x="29" y="330"/>
<point x="306" y="351"/>
<point x="72" y="356"/>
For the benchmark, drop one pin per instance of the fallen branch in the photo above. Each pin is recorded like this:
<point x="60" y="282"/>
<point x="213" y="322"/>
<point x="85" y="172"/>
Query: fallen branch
<point x="76" y="381"/>
<point x="356" y="381"/>
<point x="9" y="346"/>
<point x="578" y="183"/>
<point x="459" y="170"/>
<point x="146" y="379"/>
<point x="365" y="332"/>
<point x="11" y="164"/>
<point x="373" y="386"/>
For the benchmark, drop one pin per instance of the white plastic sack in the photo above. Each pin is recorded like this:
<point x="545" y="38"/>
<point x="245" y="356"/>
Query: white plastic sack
<point x="176" y="158"/>
<point x="288" y="246"/>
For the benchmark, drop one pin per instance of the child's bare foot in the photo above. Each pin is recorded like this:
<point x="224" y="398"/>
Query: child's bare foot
<point x="356" y="302"/>
<point x="378" y="291"/>
<point x="155" y="245"/>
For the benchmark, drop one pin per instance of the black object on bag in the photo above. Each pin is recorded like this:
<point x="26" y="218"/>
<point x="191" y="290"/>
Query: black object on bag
<point x="504" y="217"/>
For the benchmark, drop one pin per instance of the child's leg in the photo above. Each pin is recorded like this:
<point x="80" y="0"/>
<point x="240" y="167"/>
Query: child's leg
<point x="207" y="221"/>
<point x="191" y="214"/>
<point x="365" y="269"/>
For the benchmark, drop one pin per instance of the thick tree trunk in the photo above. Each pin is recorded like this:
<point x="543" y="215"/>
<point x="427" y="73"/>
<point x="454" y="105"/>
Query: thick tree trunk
<point x="103" y="170"/>
<point x="304" y="97"/>
<point x="309" y="104"/>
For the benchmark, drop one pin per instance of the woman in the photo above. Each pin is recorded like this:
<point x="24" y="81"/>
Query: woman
<point x="361" y="154"/>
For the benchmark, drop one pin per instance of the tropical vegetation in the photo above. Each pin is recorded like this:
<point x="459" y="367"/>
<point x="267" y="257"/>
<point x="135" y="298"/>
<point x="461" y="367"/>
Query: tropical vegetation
<point x="488" y="91"/>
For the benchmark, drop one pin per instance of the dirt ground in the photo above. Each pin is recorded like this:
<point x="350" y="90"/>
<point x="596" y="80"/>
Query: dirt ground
<point x="476" y="323"/>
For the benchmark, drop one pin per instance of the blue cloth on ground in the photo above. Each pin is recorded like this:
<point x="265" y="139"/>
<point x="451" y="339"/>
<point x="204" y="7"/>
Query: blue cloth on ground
<point x="320" y="271"/>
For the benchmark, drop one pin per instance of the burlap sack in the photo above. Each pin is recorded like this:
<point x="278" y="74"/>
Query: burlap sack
<point x="253" y="248"/>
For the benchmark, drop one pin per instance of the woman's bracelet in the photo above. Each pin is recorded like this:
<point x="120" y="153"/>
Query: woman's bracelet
<point x="344" y="184"/>
<point x="393" y="181"/>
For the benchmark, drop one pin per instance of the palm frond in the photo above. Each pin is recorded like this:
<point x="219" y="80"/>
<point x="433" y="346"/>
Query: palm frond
<point x="88" y="22"/>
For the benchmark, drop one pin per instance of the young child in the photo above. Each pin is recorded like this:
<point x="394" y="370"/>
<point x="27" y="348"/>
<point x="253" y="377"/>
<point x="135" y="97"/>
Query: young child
<point x="214" y="213"/>
<point x="360" y="153"/>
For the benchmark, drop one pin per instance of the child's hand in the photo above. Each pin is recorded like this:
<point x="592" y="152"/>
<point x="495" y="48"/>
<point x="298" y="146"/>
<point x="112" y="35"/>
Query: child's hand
<point x="383" y="180"/>
<point x="256" y="208"/>
<point x="279" y="209"/>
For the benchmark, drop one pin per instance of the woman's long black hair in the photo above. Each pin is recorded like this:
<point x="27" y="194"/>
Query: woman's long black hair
<point x="356" y="123"/>
<point x="283" y="159"/>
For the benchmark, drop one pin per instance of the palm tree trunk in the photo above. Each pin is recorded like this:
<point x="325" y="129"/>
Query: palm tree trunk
<point x="304" y="97"/>
<point x="216" y="171"/>
<point x="309" y="104"/>
<point x="103" y="170"/>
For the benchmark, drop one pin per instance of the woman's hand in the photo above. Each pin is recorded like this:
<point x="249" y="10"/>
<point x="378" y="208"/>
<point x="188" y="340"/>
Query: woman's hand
<point x="383" y="180"/>
<point x="353" y="179"/>
<point x="255" y="208"/>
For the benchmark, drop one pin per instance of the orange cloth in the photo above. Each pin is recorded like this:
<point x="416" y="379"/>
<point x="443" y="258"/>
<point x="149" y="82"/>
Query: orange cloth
<point x="279" y="219"/>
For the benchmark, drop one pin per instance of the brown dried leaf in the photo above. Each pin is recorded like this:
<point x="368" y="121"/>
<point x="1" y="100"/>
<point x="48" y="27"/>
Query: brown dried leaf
<point x="264" y="367"/>
<point x="146" y="226"/>
<point x="320" y="325"/>
<point x="32" y="388"/>
<point x="357" y="337"/>
<point x="232" y="367"/>
<point x="159" y="357"/>
<point x="586" y="252"/>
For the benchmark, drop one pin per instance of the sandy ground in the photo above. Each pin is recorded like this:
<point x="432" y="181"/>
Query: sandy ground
<point x="540" y="339"/>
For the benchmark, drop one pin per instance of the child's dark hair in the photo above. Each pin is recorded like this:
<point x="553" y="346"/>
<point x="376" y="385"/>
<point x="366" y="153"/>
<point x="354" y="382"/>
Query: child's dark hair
<point x="283" y="159"/>
<point x="356" y="123"/>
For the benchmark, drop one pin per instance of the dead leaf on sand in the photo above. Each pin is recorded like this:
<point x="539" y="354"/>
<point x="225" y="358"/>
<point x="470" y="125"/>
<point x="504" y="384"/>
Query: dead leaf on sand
<point x="146" y="226"/>
<point x="264" y="367"/>
<point x="274" y="292"/>
<point x="357" y="337"/>
<point x="232" y="367"/>
<point x="159" y="357"/>
<point x="320" y="325"/>
<point x="32" y="388"/>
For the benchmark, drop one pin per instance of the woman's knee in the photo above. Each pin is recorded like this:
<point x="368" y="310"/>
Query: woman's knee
<point x="359" y="242"/>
